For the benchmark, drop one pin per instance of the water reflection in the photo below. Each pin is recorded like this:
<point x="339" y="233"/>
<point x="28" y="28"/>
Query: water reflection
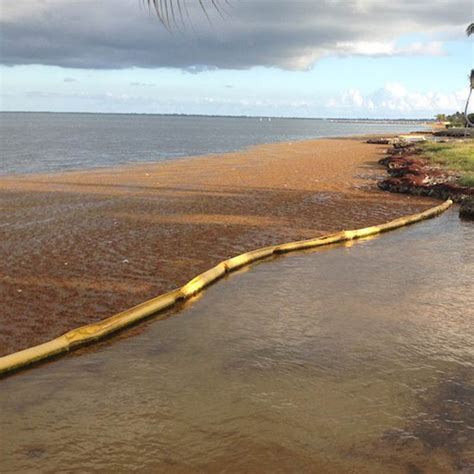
<point x="350" y="360"/>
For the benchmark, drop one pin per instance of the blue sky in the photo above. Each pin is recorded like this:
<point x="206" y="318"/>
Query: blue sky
<point x="388" y="74"/>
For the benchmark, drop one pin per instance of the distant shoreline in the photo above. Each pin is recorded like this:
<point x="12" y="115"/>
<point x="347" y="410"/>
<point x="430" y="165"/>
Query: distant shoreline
<point x="276" y="117"/>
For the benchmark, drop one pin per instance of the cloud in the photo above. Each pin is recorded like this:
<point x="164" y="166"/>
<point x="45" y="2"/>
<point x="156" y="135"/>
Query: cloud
<point x="114" y="34"/>
<point x="374" y="48"/>
<point x="394" y="99"/>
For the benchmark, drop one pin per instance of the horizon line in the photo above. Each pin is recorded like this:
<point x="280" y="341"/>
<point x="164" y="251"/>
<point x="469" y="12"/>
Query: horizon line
<point x="386" y="119"/>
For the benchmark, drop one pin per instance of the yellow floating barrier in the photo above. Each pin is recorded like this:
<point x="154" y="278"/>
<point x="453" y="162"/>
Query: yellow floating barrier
<point x="93" y="332"/>
<point x="240" y="261"/>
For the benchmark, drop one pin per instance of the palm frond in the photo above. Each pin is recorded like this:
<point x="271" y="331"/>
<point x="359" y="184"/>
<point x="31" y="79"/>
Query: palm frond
<point x="170" y="12"/>
<point x="470" y="29"/>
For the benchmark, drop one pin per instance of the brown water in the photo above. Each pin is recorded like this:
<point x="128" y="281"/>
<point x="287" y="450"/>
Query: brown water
<point x="348" y="360"/>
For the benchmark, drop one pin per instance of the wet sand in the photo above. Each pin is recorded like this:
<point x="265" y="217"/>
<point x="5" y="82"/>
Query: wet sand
<point x="77" y="247"/>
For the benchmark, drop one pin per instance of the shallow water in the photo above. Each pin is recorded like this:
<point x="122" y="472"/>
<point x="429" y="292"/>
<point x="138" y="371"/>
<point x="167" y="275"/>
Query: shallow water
<point x="43" y="143"/>
<point x="357" y="358"/>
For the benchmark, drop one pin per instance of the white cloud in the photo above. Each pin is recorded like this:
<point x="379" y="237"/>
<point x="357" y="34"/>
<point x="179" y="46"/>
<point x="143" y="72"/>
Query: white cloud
<point x="379" y="48"/>
<point x="394" y="99"/>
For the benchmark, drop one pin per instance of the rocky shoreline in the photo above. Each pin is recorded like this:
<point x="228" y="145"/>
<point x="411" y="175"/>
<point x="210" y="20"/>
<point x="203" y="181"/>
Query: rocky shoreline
<point x="410" y="173"/>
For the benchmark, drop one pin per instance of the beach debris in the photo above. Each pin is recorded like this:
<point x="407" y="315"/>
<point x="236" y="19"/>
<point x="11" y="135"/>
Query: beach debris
<point x="19" y="290"/>
<point x="125" y="260"/>
<point x="412" y="138"/>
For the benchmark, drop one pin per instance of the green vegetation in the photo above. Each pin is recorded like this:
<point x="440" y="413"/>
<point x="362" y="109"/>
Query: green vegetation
<point x="454" y="120"/>
<point x="467" y="180"/>
<point x="456" y="156"/>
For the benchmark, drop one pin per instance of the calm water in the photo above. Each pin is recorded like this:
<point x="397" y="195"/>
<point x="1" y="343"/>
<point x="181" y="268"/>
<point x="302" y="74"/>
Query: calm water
<point x="351" y="359"/>
<point x="36" y="143"/>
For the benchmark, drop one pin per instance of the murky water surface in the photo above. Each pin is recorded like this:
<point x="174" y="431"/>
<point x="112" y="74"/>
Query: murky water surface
<point x="44" y="142"/>
<point x="350" y="359"/>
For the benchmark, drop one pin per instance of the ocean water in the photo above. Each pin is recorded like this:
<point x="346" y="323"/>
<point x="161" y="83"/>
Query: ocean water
<point x="44" y="142"/>
<point x="351" y="359"/>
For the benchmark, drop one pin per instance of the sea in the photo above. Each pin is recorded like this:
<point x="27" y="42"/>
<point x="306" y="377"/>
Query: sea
<point x="357" y="359"/>
<point x="53" y="142"/>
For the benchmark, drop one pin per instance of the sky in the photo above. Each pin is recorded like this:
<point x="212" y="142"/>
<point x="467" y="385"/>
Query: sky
<point x="301" y="58"/>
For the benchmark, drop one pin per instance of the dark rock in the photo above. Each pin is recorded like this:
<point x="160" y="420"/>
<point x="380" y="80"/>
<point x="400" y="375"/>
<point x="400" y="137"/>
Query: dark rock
<point x="400" y="145"/>
<point x="420" y="186"/>
<point x="401" y="162"/>
<point x="457" y="132"/>
<point x="411" y="175"/>
<point x="403" y="170"/>
<point x="380" y="141"/>
<point x="466" y="211"/>
<point x="401" y="151"/>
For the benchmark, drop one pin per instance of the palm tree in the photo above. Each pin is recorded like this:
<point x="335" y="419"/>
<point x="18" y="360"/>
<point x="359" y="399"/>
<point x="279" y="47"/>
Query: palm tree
<point x="170" y="11"/>
<point x="469" y="32"/>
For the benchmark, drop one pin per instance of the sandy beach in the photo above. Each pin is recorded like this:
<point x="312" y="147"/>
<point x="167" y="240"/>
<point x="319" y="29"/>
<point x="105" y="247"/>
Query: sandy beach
<point x="80" y="246"/>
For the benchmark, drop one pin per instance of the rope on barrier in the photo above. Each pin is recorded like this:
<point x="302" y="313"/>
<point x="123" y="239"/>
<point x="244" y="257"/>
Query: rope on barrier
<point x="93" y="332"/>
